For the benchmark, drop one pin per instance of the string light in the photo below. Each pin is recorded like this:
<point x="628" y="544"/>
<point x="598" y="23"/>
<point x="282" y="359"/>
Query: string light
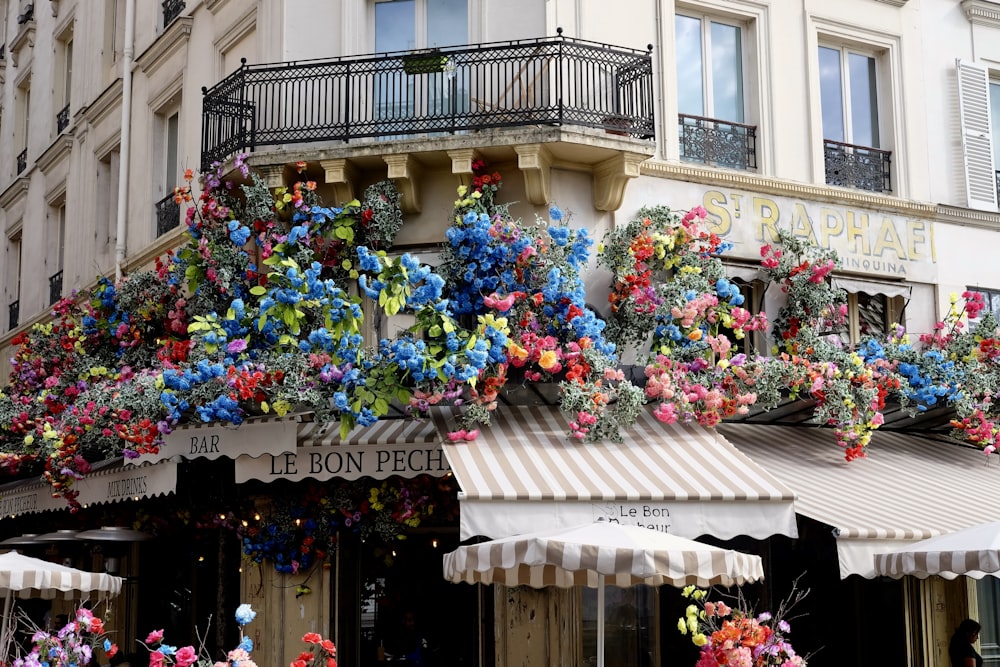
<point x="256" y="517"/>
<point x="434" y="543"/>
<point x="245" y="523"/>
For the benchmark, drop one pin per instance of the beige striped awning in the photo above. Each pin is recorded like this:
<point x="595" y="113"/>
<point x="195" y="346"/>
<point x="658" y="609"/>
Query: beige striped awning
<point x="524" y="473"/>
<point x="25" y="576"/>
<point x="909" y="487"/>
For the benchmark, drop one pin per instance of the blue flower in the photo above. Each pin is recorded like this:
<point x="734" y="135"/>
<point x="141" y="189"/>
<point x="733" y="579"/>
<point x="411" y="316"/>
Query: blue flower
<point x="555" y="213"/>
<point x="245" y="614"/>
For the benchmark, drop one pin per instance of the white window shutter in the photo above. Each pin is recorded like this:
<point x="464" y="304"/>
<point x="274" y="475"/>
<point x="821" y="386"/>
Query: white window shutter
<point x="977" y="135"/>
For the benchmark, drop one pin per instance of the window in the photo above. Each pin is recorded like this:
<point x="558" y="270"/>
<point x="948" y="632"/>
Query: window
<point x="979" y="112"/>
<point x="56" y="249"/>
<point x="851" y="133"/>
<point x="167" y="212"/>
<point x="64" y="81"/>
<point x="13" y="285"/>
<point x="870" y="316"/>
<point x="23" y="113"/>
<point x="988" y="594"/>
<point x="629" y="625"/>
<point x="991" y="301"/>
<point x="710" y="99"/>
<point x="114" y="38"/>
<point x="106" y="214"/>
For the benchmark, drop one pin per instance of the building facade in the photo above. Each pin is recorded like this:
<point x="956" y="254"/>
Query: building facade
<point x="868" y="126"/>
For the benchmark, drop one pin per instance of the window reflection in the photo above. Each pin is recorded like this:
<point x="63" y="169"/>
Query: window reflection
<point x="629" y="626"/>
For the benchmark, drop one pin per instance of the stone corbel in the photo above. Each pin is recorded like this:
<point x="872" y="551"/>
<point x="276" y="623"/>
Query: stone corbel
<point x="461" y="164"/>
<point x="342" y="175"/>
<point x="535" y="162"/>
<point x="272" y="174"/>
<point x="404" y="170"/>
<point x="611" y="176"/>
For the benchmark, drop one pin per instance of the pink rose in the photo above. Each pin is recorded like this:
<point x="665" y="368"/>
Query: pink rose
<point x="154" y="636"/>
<point x="155" y="659"/>
<point x="185" y="656"/>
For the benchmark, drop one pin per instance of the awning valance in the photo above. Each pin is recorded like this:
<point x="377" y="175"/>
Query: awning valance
<point x="254" y="437"/>
<point x="402" y="447"/>
<point x="524" y="474"/>
<point x="908" y="488"/>
<point x="872" y="287"/>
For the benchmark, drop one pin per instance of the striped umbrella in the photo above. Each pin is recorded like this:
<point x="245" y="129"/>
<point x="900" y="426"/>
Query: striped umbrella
<point x="971" y="552"/>
<point x="24" y="577"/>
<point x="596" y="555"/>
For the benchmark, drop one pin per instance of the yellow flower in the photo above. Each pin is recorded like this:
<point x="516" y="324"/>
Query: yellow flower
<point x="281" y="407"/>
<point x="687" y="590"/>
<point x="28" y="439"/>
<point x="699" y="639"/>
<point x="682" y="625"/>
<point x="548" y="360"/>
<point x="477" y="194"/>
<point x="462" y="189"/>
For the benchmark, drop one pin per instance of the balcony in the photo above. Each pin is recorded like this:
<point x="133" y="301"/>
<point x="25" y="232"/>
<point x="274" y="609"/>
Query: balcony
<point x="13" y="314"/>
<point x="168" y="214"/>
<point x="998" y="184"/>
<point x="718" y="143"/>
<point x="860" y="167"/>
<point x="55" y="287"/>
<point x="171" y="10"/>
<point x="22" y="161"/>
<point x="62" y="119"/>
<point x="453" y="91"/>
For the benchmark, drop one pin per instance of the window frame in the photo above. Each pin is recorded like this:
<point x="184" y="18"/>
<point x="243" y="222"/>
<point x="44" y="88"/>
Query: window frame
<point x="707" y="87"/>
<point x="847" y="109"/>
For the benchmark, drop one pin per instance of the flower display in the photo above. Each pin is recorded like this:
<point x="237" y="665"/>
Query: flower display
<point x="162" y="654"/>
<point x="321" y="652"/>
<point x="73" y="645"/>
<point x="729" y="637"/>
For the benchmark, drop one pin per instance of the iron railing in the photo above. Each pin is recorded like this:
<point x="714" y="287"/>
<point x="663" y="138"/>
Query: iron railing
<point x="3" y="51"/>
<point x="62" y="119"/>
<point x="13" y="314"/>
<point x="171" y="10"/>
<point x="721" y="143"/>
<point x="547" y="81"/>
<point x="22" y="160"/>
<point x="168" y="214"/>
<point x="55" y="287"/>
<point x="858" y="167"/>
<point x="998" y="183"/>
<point x="27" y="15"/>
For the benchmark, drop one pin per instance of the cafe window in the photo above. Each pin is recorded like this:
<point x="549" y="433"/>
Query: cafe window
<point x="870" y="316"/>
<point x="991" y="303"/>
<point x="630" y="626"/>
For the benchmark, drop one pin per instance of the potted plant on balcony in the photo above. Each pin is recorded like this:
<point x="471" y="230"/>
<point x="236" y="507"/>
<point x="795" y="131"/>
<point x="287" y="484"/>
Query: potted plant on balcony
<point x="425" y="62"/>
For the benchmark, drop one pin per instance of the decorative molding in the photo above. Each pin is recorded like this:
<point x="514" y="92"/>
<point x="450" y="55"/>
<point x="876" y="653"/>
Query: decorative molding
<point x="25" y="37"/>
<point x="342" y="175"/>
<point x="215" y="5"/>
<point x="17" y="189"/>
<point x="168" y="43"/>
<point x="104" y="149"/>
<point x="982" y="12"/>
<point x="55" y="152"/>
<point x="272" y="174"/>
<point x="105" y="103"/>
<point x="404" y="170"/>
<point x="748" y="181"/>
<point x="967" y="217"/>
<point x="611" y="177"/>
<point x="535" y="162"/>
<point x="169" y="241"/>
<point x="894" y="3"/>
<point x="167" y="94"/>
<point x="236" y="31"/>
<point x="461" y="164"/>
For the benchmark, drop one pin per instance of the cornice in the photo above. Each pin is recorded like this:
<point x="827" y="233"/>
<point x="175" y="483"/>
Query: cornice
<point x="25" y="36"/>
<point x="215" y="6"/>
<point x="55" y="152"/>
<point x="169" y="241"/>
<point x="750" y="181"/>
<point x="104" y="104"/>
<point x="967" y="217"/>
<point x="170" y="41"/>
<point x="982" y="12"/>
<point x="16" y="189"/>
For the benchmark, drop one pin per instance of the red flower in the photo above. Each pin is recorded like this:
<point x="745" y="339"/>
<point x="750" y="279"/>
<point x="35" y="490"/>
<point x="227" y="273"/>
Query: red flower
<point x="312" y="638"/>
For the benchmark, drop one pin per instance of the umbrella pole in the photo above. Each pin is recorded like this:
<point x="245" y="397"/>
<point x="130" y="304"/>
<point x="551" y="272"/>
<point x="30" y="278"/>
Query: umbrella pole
<point x="600" y="620"/>
<point x="5" y="629"/>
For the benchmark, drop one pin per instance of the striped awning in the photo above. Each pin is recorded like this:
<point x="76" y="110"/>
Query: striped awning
<point x="400" y="447"/>
<point x="30" y="577"/>
<point x="254" y="437"/>
<point x="523" y="473"/>
<point x="909" y="487"/>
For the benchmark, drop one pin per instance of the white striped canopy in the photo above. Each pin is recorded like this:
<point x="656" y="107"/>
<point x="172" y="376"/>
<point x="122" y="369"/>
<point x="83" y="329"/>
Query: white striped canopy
<point x="972" y="552"/>
<point x="624" y="555"/>
<point x="24" y="576"/>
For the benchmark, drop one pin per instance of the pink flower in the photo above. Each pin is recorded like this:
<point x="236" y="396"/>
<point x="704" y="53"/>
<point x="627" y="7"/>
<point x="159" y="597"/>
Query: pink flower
<point x="155" y="659"/>
<point x="186" y="656"/>
<point x="154" y="636"/>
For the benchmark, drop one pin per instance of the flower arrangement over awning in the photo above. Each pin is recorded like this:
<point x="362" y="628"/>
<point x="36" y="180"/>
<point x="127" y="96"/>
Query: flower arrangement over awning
<point x="260" y="312"/>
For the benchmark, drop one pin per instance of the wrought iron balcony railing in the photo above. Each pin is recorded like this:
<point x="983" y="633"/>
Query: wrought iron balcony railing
<point x="998" y="184"/>
<point x="62" y="119"/>
<point x="860" y="167"/>
<point x="721" y="143"/>
<point x="55" y="287"/>
<point x="22" y="160"/>
<point x="168" y="214"/>
<point x="13" y="314"/>
<point x="547" y="81"/>
<point x="171" y="10"/>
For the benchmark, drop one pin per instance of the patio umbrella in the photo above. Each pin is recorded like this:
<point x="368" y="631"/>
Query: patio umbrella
<point x="971" y="552"/>
<point x="24" y="576"/>
<point x="596" y="555"/>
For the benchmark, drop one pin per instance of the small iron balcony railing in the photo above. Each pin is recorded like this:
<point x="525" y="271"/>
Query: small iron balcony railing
<point x="721" y="143"/>
<point x="546" y="81"/>
<point x="860" y="167"/>
<point x="171" y="10"/>
<point x="13" y="314"/>
<point x="62" y="119"/>
<point x="55" y="287"/>
<point x="168" y="214"/>
<point x="22" y="161"/>
<point x="998" y="184"/>
<point x="3" y="51"/>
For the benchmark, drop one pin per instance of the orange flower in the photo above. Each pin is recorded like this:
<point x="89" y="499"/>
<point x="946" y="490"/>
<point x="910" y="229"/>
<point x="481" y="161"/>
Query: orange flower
<point x="312" y="638"/>
<point x="548" y="360"/>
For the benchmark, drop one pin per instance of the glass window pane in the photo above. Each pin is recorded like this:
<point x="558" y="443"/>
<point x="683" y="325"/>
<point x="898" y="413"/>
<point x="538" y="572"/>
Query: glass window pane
<point x="995" y="117"/>
<point x="629" y="621"/>
<point x="395" y="26"/>
<point x="831" y="95"/>
<point x="864" y="105"/>
<point x="727" y="73"/>
<point x="447" y="22"/>
<point x="690" y="90"/>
